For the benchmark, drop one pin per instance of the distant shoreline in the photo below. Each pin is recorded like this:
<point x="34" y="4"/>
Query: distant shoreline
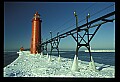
<point x="100" y="51"/>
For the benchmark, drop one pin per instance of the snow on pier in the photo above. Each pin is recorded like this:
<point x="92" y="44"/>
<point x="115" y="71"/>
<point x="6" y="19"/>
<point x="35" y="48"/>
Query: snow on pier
<point x="29" y="65"/>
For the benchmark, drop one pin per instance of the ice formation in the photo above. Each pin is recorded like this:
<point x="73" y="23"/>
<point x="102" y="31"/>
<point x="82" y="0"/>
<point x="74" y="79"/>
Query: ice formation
<point x="33" y="65"/>
<point x="59" y="59"/>
<point x="75" y="64"/>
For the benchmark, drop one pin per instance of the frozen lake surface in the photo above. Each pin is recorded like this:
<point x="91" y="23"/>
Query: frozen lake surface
<point x="30" y="65"/>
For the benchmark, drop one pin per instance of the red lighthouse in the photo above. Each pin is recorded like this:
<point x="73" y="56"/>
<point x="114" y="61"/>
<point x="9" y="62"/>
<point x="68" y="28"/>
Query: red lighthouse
<point x="36" y="33"/>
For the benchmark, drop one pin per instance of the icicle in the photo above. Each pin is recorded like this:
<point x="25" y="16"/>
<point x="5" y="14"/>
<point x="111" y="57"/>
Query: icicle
<point x="59" y="59"/>
<point x="47" y="55"/>
<point x="49" y="59"/>
<point x="92" y="64"/>
<point x="75" y="64"/>
<point x="41" y="54"/>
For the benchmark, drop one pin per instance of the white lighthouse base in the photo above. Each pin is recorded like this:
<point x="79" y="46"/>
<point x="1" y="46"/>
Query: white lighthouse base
<point x="75" y="64"/>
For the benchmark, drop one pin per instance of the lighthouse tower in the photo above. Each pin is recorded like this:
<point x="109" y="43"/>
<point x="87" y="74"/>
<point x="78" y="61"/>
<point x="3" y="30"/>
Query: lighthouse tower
<point x="36" y="34"/>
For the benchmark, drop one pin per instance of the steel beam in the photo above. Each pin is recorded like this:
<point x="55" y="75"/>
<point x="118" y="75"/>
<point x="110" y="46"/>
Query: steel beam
<point x="81" y="28"/>
<point x="55" y="41"/>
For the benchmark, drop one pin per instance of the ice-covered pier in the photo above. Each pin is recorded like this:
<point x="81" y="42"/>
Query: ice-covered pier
<point x="42" y="65"/>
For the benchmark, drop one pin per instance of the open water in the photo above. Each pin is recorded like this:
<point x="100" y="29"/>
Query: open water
<point x="107" y="58"/>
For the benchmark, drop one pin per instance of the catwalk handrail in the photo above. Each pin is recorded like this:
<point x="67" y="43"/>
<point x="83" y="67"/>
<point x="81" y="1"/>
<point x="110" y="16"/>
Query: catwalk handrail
<point x="79" y="28"/>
